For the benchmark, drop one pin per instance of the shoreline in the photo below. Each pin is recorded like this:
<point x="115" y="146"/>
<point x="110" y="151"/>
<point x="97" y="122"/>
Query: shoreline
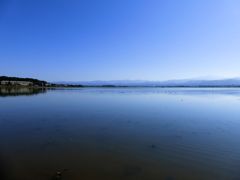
<point x="108" y="86"/>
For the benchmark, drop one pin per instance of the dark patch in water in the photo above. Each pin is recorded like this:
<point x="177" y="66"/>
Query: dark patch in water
<point x="132" y="170"/>
<point x="170" y="178"/>
<point x="4" y="169"/>
<point x="59" y="174"/>
<point x="153" y="146"/>
<point x="178" y="136"/>
<point x="49" y="144"/>
<point x="38" y="129"/>
<point x="104" y="128"/>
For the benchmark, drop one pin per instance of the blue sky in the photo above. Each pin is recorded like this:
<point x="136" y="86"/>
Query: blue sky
<point x="75" y="40"/>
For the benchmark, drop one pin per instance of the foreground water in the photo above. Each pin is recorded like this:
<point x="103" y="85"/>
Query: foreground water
<point x="120" y="133"/>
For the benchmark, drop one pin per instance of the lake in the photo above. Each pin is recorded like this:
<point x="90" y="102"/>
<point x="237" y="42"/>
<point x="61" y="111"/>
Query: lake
<point x="120" y="134"/>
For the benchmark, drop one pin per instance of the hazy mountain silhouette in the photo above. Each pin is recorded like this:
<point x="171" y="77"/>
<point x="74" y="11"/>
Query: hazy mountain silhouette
<point x="184" y="82"/>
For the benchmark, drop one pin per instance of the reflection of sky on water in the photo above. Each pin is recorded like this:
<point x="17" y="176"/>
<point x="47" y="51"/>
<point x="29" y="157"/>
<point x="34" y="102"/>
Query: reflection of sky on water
<point x="157" y="90"/>
<point x="135" y="133"/>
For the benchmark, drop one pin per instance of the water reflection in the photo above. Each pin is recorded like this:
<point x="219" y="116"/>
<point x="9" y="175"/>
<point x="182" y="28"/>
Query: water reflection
<point x="121" y="133"/>
<point x="161" y="90"/>
<point x="20" y="91"/>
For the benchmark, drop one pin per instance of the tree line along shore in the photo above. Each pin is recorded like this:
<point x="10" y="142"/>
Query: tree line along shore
<point x="29" y="82"/>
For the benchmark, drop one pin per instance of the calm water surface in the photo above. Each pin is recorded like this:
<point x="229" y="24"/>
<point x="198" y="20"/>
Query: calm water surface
<point x="120" y="134"/>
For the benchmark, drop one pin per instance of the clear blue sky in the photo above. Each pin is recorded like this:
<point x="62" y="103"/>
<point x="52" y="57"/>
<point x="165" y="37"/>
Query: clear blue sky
<point x="119" y="39"/>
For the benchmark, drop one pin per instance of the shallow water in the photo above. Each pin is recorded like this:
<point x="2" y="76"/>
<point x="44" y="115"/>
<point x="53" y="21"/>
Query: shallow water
<point x="120" y="133"/>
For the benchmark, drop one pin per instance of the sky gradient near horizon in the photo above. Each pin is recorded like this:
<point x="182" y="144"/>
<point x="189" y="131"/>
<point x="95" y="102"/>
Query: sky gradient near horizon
<point x="76" y="40"/>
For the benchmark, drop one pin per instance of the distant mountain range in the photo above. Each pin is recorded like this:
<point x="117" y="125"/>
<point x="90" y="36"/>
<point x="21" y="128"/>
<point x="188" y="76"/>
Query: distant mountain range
<point x="233" y="82"/>
<point x="16" y="81"/>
